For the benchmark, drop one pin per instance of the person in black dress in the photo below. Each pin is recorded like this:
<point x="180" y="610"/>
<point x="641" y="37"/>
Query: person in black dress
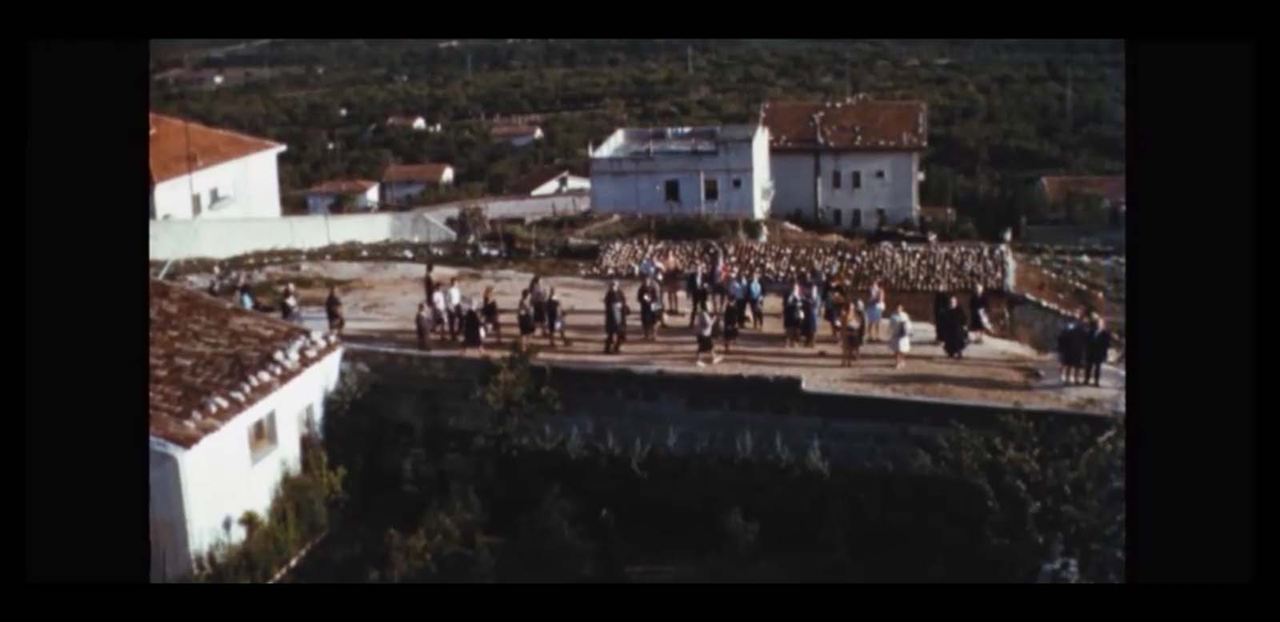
<point x="524" y="318"/>
<point x="792" y="314"/>
<point x="555" y="319"/>
<point x="472" y="328"/>
<point x="613" y="303"/>
<point x="732" y="321"/>
<point x="1077" y="344"/>
<point x="809" y="319"/>
<point x="953" y="326"/>
<point x="489" y="314"/>
<point x="647" y="297"/>
<point x="1096" y="350"/>
<point x="698" y="291"/>
<point x="941" y="303"/>
<point x="333" y="310"/>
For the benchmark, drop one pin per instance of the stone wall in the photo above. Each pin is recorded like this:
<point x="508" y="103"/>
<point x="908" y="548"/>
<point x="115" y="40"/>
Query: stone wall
<point x="712" y="412"/>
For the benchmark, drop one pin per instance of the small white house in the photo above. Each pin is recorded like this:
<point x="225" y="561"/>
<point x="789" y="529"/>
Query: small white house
<point x="402" y="183"/>
<point x="232" y="393"/>
<point x="203" y="172"/>
<point x="361" y="195"/>
<point x="853" y="164"/>
<point x="550" y="181"/>
<point x="517" y="135"/>
<point x="716" y="171"/>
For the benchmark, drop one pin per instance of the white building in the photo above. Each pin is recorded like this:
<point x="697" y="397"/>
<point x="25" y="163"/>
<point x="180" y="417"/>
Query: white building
<point x="551" y="181"/>
<point x="361" y="196"/>
<point x="402" y="183"/>
<point x="715" y="171"/>
<point x="199" y="171"/>
<point x="853" y="164"/>
<point x="232" y="392"/>
<point x="517" y="135"/>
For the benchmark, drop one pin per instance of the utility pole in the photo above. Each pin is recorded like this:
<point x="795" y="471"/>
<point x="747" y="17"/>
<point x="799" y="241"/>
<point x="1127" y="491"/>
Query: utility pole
<point x="468" y="65"/>
<point x="689" y="57"/>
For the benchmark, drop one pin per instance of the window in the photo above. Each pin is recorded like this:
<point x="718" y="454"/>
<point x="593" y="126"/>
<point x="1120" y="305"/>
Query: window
<point x="737" y="183"/>
<point x="262" y="437"/>
<point x="881" y="218"/>
<point x="855" y="219"/>
<point x="835" y="217"/>
<point x="195" y="205"/>
<point x="835" y="179"/>
<point x="214" y="196"/>
<point x="307" y="420"/>
<point x="711" y="189"/>
<point x="672" y="190"/>
<point x="880" y="174"/>
<point x="564" y="184"/>
<point x="855" y="179"/>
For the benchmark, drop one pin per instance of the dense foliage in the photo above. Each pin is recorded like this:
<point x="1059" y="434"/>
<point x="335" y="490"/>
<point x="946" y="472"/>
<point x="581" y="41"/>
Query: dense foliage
<point x="299" y="513"/>
<point x="431" y="501"/>
<point x="999" y="111"/>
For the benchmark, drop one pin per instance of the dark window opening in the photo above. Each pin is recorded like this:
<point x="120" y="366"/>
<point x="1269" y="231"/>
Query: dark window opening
<point x="262" y="437"/>
<point x="710" y="189"/>
<point x="881" y="217"/>
<point x="880" y="174"/>
<point x="835" y="179"/>
<point x="737" y="183"/>
<point x="855" y="179"/>
<point x="855" y="219"/>
<point x="672" y="190"/>
<point x="835" y="217"/>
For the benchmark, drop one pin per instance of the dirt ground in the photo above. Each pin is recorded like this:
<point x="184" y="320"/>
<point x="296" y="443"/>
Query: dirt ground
<point x="380" y="301"/>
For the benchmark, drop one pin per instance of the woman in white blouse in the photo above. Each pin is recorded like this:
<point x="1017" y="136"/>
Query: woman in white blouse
<point x="900" y="336"/>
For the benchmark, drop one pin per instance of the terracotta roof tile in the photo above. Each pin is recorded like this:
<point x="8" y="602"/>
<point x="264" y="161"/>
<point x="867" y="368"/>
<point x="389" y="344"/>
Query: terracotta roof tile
<point x="211" y="360"/>
<point x="208" y="147"/>
<point x="427" y="173"/>
<point x="856" y="124"/>
<point x="342" y="186"/>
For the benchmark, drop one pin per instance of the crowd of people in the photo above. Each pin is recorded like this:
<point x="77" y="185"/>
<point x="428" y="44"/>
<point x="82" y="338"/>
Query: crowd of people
<point x="898" y="267"/>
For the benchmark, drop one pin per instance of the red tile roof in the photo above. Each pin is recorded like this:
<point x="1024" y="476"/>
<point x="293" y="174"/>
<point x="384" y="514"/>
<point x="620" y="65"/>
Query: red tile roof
<point x="211" y="360"/>
<point x="426" y="173"/>
<point x="342" y="186"/>
<point x="1057" y="188"/>
<point x="208" y="147"/>
<point x="857" y="124"/>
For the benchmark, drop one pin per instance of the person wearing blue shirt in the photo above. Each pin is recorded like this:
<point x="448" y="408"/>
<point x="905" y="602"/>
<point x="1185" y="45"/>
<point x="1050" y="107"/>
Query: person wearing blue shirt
<point x="755" y="296"/>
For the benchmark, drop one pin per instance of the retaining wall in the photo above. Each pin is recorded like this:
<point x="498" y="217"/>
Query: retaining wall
<point x="713" y="412"/>
<point x="219" y="239"/>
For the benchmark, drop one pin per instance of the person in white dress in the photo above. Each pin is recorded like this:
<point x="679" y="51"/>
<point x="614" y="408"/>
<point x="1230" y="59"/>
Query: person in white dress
<point x="900" y="340"/>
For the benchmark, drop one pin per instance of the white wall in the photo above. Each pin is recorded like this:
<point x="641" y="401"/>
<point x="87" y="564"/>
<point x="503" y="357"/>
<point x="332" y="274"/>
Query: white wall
<point x="762" y="174"/>
<point x="897" y="193"/>
<point x="252" y="182"/>
<point x="321" y="202"/>
<point x="219" y="479"/>
<point x="636" y="185"/>
<point x="217" y="239"/>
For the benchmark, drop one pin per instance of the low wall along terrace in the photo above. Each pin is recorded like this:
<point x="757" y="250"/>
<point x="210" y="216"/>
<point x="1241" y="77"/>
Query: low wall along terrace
<point x="714" y="412"/>
<point x="219" y="239"/>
